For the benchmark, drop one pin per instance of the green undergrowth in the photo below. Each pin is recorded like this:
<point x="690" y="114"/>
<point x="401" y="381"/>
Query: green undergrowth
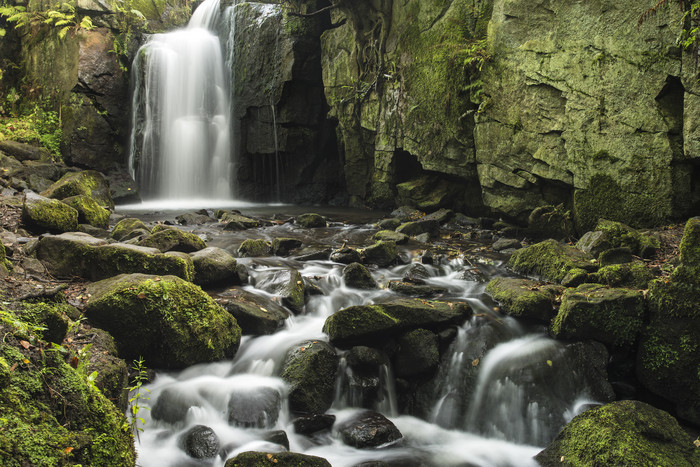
<point x="34" y="126"/>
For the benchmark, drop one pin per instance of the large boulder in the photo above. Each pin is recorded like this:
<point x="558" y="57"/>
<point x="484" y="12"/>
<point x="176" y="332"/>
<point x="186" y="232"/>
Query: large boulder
<point x="173" y="239"/>
<point x="363" y="324"/>
<point x="368" y="430"/>
<point x="632" y="275"/>
<point x="413" y="228"/>
<point x="258" y="407"/>
<point x="621" y="235"/>
<point x="200" y="442"/>
<point x="170" y="322"/>
<point x="284" y="246"/>
<point x="358" y="276"/>
<point x="278" y="459"/>
<point x="310" y="371"/>
<point x="88" y="182"/>
<point x="43" y="213"/>
<point x="625" y="433"/>
<point x="214" y="265"/>
<point x="667" y="358"/>
<point x="254" y="248"/>
<point x="382" y="253"/>
<point x="124" y="228"/>
<point x="525" y="298"/>
<point x="255" y="314"/>
<point x="415" y="289"/>
<point x="310" y="220"/>
<point x="550" y="260"/>
<point x="346" y="255"/>
<point x="391" y="236"/>
<point x="608" y="315"/>
<point x="417" y="353"/>
<point x="286" y="283"/>
<point x="89" y="211"/>
<point x="78" y="254"/>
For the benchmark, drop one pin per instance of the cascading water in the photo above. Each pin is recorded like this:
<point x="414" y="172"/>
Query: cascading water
<point x="501" y="393"/>
<point x="181" y="137"/>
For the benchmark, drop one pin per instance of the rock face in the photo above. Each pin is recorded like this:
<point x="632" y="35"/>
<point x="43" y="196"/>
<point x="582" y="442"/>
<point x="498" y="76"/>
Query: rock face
<point x="170" y="322"/>
<point x="621" y="433"/>
<point x="310" y="372"/>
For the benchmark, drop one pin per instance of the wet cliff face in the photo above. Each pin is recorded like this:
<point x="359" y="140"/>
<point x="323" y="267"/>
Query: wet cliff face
<point x="576" y="105"/>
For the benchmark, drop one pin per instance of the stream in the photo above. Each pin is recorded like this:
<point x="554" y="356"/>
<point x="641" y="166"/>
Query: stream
<point x="502" y="391"/>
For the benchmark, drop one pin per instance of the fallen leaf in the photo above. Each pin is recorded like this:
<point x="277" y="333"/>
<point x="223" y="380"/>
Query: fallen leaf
<point x="24" y="344"/>
<point x="12" y="368"/>
<point x="475" y="362"/>
<point x="269" y="456"/>
<point x="157" y="279"/>
<point x="303" y="348"/>
<point x="697" y="443"/>
<point x="25" y="361"/>
<point x="74" y="362"/>
<point x="549" y="362"/>
<point x="141" y="296"/>
<point x="68" y="450"/>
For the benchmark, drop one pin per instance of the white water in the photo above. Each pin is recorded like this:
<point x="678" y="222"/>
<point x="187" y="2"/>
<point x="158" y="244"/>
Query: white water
<point x="181" y="136"/>
<point x="494" y="425"/>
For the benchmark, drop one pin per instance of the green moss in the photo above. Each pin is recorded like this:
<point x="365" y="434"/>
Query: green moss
<point x="88" y="183"/>
<point x="690" y="247"/>
<point x="310" y="371"/>
<point x="550" y="260"/>
<point x="633" y="275"/>
<point x="524" y="298"/>
<point x="592" y="311"/>
<point x="89" y="212"/>
<point x="624" y="433"/>
<point x="49" y="214"/>
<point x="605" y="198"/>
<point x="310" y="220"/>
<point x="170" y="322"/>
<point x="125" y="226"/>
<point x="254" y="248"/>
<point x="382" y="253"/>
<point x="278" y="459"/>
<point x="622" y="236"/>
<point x="172" y="239"/>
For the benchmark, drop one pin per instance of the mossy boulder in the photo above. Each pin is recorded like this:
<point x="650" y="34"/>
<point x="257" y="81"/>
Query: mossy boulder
<point x="254" y="248"/>
<point x="623" y="433"/>
<point x="236" y="221"/>
<point x="524" y="298"/>
<point x="214" y="265"/>
<point x="310" y="220"/>
<point x="310" y="371"/>
<point x="381" y="253"/>
<point x="173" y="239"/>
<point x="389" y="224"/>
<point x="89" y="212"/>
<point x="631" y="275"/>
<point x="172" y="323"/>
<point x="279" y="459"/>
<point x="346" y="255"/>
<point x="391" y="236"/>
<point x="51" y="315"/>
<point x="620" y="255"/>
<point x="358" y="276"/>
<point x="287" y="284"/>
<point x="667" y="358"/>
<point x="621" y="235"/>
<point x="39" y="212"/>
<point x="417" y="353"/>
<point x="593" y="311"/>
<point x="284" y="246"/>
<point x="126" y="226"/>
<point x="255" y="314"/>
<point x="550" y="222"/>
<point x="76" y="254"/>
<point x="550" y="260"/>
<point x="88" y="182"/>
<point x="368" y="430"/>
<point x="415" y="289"/>
<point x="362" y="324"/>
<point x="413" y="228"/>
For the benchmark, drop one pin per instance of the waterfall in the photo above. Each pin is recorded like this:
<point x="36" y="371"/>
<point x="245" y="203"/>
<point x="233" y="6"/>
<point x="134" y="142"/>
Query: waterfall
<point x="181" y="136"/>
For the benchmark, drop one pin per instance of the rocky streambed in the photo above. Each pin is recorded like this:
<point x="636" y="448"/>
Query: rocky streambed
<point x="280" y="336"/>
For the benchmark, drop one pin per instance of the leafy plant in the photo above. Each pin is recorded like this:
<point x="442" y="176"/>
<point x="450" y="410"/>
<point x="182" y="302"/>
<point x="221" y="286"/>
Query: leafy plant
<point x="129" y="20"/>
<point x="690" y="22"/>
<point x="62" y="17"/>
<point x="136" y="396"/>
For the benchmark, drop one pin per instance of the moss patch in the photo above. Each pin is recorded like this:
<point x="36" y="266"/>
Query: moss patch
<point x="550" y="260"/>
<point x="89" y="212"/>
<point x="525" y="298"/>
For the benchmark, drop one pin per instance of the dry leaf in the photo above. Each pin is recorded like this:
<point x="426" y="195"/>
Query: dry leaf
<point x="25" y="361"/>
<point x="74" y="362"/>
<point x="157" y="279"/>
<point x="303" y="348"/>
<point x="24" y="344"/>
<point x="68" y="450"/>
<point x="475" y="362"/>
<point x="141" y="296"/>
<point x="269" y="456"/>
<point x="12" y="368"/>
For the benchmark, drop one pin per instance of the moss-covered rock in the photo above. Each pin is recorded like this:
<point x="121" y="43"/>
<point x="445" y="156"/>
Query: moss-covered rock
<point x="346" y="255"/>
<point x="413" y="228"/>
<point x="284" y="246"/>
<point x="310" y="220"/>
<point x="214" y="265"/>
<point x="81" y="255"/>
<point x="525" y="298"/>
<point x="170" y="322"/>
<point x="621" y="235"/>
<point x="550" y="260"/>
<point x="381" y="253"/>
<point x="391" y="236"/>
<point x="417" y="353"/>
<point x="550" y="222"/>
<point x="88" y="182"/>
<point x="389" y="224"/>
<point x="279" y="459"/>
<point x="49" y="406"/>
<point x="592" y="311"/>
<point x="368" y="430"/>
<point x="620" y="255"/>
<point x="236" y="221"/>
<point x="254" y="248"/>
<point x="173" y="239"/>
<point x="624" y="433"/>
<point x="310" y="370"/>
<point x="287" y="284"/>
<point x="89" y="212"/>
<point x="125" y="226"/>
<point x="631" y="275"/>
<point x="361" y="325"/>
<point x="39" y="212"/>
<point x="358" y="276"/>
<point x="416" y="289"/>
<point x="255" y="314"/>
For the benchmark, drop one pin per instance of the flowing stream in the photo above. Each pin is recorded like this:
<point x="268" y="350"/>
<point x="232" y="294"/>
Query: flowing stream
<point x="502" y="392"/>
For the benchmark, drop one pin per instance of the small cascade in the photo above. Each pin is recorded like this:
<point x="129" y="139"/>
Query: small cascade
<point x="181" y="136"/>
